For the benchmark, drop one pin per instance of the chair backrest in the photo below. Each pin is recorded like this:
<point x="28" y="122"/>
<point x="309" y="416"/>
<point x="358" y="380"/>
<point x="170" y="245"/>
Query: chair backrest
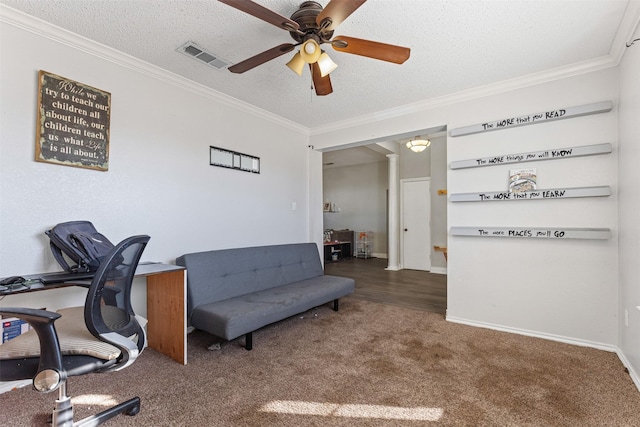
<point x="108" y="313"/>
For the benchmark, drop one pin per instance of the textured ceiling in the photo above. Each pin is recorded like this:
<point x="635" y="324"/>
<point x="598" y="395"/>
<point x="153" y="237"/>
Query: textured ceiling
<point x="455" y="45"/>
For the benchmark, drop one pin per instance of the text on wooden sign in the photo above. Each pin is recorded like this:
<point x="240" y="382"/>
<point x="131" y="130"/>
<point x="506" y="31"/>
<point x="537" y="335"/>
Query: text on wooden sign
<point x="545" y="116"/>
<point x="550" y="154"/>
<point x="533" y="232"/>
<point x="73" y="123"/>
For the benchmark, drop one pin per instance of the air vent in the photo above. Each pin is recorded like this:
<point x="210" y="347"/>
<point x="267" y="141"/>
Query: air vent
<point x="194" y="51"/>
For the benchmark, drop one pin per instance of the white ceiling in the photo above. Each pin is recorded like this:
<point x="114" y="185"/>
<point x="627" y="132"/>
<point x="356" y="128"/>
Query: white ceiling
<point x="455" y="45"/>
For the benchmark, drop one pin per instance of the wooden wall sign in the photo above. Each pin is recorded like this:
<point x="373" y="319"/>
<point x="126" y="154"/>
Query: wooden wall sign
<point x="545" y="116"/>
<point x="73" y="123"/>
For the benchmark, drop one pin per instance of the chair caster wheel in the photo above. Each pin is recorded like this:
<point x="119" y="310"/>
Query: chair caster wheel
<point x="132" y="411"/>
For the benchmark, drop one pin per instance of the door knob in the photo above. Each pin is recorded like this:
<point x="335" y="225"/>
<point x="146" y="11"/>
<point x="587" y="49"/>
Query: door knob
<point x="406" y="229"/>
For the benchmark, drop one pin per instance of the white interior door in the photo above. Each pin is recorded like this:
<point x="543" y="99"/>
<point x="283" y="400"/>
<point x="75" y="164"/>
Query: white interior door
<point x="416" y="224"/>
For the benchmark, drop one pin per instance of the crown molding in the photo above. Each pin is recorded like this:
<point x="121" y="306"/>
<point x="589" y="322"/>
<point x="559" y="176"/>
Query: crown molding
<point x="521" y="82"/>
<point x="42" y="28"/>
<point x="628" y="26"/>
<point x="54" y="33"/>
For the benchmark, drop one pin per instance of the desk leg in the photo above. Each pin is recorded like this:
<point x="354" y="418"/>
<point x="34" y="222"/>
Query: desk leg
<point x="167" y="327"/>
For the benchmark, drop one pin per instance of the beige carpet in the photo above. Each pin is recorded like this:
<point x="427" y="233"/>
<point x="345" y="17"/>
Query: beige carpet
<point x="366" y="365"/>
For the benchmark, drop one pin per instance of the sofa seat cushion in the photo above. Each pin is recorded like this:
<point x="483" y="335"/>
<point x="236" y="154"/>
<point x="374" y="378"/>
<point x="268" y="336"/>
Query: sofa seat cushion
<point x="240" y="315"/>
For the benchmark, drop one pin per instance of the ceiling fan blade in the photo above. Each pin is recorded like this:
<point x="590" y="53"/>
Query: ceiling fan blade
<point x="322" y="84"/>
<point x="337" y="11"/>
<point x="261" y="12"/>
<point x="261" y="58"/>
<point x="371" y="49"/>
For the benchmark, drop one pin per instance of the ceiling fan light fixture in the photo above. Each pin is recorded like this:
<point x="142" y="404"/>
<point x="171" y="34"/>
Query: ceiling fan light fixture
<point x="418" y="145"/>
<point x="310" y="51"/>
<point x="326" y="64"/>
<point x="311" y="26"/>
<point x="297" y="64"/>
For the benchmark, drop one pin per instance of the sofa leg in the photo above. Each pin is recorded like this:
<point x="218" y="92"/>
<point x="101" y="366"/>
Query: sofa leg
<point x="248" y="341"/>
<point x="336" y="303"/>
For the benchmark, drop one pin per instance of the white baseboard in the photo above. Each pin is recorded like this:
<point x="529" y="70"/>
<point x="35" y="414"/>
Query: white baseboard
<point x="526" y="332"/>
<point x="552" y="337"/>
<point x="439" y="270"/>
<point x="6" y="386"/>
<point x="633" y="374"/>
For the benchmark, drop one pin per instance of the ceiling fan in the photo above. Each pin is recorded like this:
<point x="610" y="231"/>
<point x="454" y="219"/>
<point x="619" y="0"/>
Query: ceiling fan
<point x="311" y="26"/>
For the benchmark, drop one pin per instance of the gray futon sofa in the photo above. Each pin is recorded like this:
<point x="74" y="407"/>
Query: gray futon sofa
<point x="233" y="292"/>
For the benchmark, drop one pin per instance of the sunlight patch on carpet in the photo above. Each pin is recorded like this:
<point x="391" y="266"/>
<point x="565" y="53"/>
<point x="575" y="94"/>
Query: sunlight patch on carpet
<point x="94" y="399"/>
<point x="352" y="410"/>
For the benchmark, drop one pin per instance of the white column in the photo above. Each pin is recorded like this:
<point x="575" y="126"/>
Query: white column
<point x="314" y="206"/>
<point x="394" y="212"/>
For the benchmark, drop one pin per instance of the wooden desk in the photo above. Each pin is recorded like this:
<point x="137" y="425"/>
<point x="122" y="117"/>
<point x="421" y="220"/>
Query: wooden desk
<point x="166" y="309"/>
<point x="166" y="306"/>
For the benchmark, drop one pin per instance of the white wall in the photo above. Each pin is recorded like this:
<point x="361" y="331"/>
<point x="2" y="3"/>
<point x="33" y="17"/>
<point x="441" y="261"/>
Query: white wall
<point x="564" y="290"/>
<point x="439" y="229"/>
<point x="159" y="180"/>
<point x="629" y="242"/>
<point x="557" y="288"/>
<point x="414" y="165"/>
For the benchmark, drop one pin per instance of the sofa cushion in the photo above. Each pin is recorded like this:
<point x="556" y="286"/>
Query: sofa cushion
<point x="228" y="273"/>
<point x="236" y="316"/>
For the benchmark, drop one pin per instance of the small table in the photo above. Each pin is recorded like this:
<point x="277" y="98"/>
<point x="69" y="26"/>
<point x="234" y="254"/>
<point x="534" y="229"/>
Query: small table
<point x="341" y="250"/>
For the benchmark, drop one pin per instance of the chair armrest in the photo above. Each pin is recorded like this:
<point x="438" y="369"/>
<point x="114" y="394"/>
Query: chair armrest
<point x="30" y="314"/>
<point x="128" y="348"/>
<point x="42" y="321"/>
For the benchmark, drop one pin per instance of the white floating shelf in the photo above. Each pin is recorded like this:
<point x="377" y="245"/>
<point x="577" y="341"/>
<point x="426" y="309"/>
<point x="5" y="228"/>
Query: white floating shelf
<point x="534" y="232"/>
<point x="545" y="116"/>
<point x="532" y="156"/>
<point x="555" y="193"/>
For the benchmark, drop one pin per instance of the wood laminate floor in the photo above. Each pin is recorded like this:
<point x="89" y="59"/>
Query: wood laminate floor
<point x="408" y="288"/>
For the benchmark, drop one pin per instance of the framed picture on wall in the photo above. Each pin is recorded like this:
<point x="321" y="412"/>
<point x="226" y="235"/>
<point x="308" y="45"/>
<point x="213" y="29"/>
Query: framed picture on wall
<point x="521" y="180"/>
<point x="233" y="160"/>
<point x="72" y="123"/>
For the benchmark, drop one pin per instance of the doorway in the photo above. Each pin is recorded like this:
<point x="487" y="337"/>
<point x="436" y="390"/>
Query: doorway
<point x="415" y="216"/>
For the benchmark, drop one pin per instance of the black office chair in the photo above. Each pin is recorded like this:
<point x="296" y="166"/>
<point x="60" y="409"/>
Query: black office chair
<point x="102" y="336"/>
